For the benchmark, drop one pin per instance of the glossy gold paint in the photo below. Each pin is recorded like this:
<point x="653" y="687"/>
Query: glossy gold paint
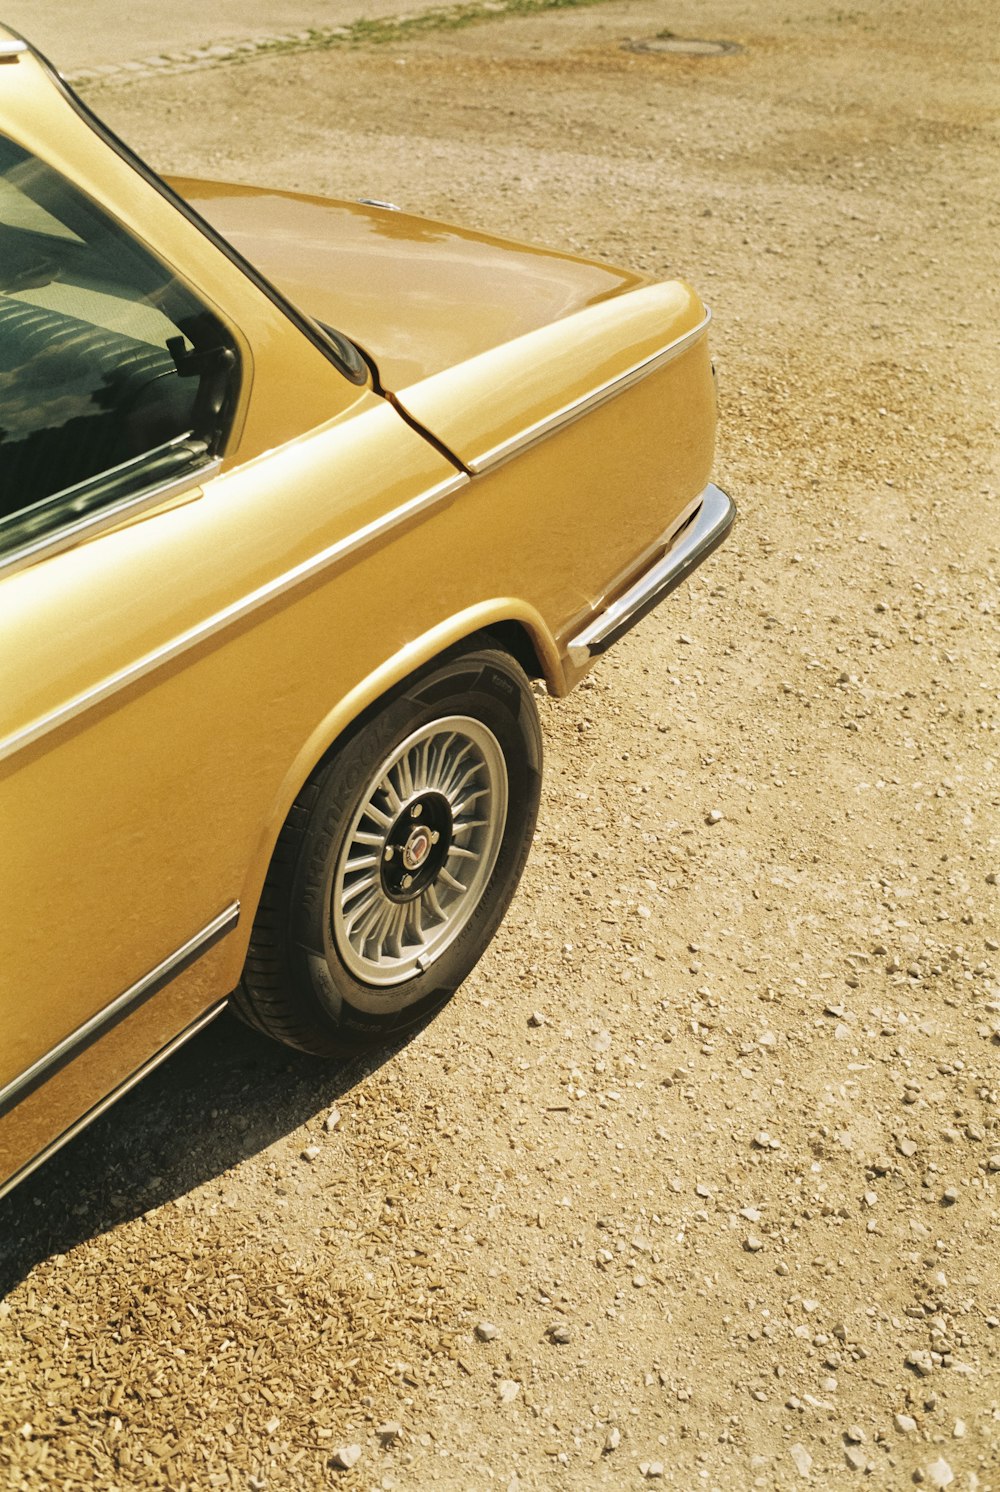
<point x="420" y="296"/>
<point x="166" y="687"/>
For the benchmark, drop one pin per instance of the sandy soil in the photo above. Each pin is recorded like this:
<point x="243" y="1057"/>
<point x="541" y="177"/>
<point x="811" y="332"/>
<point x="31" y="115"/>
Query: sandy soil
<point x="695" y="1182"/>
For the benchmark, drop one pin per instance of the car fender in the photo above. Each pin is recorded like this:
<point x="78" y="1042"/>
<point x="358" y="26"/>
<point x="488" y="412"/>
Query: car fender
<point x="345" y="712"/>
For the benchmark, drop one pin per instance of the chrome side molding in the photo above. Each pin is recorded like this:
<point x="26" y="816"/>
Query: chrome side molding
<point x="701" y="534"/>
<point x="11" y="50"/>
<point x="333" y="554"/>
<point x="105" y="1103"/>
<point x="123" y="1005"/>
<point x="532" y="434"/>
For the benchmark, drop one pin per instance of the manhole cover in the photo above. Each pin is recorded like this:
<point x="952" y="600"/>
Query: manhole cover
<point x="684" y="46"/>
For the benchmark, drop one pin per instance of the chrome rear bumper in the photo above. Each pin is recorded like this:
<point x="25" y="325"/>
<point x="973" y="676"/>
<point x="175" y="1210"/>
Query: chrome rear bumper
<point x="701" y="534"/>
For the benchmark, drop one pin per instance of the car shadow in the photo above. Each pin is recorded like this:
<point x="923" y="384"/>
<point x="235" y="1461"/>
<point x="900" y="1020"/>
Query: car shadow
<point x="226" y="1095"/>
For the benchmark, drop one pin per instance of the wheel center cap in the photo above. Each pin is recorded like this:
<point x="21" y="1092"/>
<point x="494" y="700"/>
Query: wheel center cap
<point x="417" y="848"/>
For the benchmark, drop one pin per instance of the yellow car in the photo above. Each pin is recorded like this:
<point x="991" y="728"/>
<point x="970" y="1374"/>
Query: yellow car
<point x="296" y="496"/>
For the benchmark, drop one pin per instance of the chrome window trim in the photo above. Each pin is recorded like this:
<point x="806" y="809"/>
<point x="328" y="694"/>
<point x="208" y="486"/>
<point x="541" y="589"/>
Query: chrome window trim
<point x="229" y="615"/>
<point x="123" y="1005"/>
<point x="98" y="1109"/>
<point x="98" y="522"/>
<point x="489" y="460"/>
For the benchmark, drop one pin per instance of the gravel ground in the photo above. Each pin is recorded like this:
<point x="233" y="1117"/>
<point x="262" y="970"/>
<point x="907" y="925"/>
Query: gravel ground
<point x="695" y="1182"/>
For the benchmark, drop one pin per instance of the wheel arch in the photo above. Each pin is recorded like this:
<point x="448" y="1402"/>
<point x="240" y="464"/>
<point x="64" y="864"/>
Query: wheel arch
<point x="511" y="625"/>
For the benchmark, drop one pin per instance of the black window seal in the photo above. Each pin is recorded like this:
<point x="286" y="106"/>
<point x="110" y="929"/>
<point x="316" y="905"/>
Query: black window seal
<point x="342" y="353"/>
<point x="153" y="485"/>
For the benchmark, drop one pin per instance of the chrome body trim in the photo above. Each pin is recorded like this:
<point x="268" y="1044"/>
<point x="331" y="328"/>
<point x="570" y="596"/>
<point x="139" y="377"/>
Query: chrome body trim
<point x="229" y="615"/>
<point x="74" y="1129"/>
<point x="569" y="413"/>
<point x="93" y="524"/>
<point x="10" y="51"/>
<point x="105" y="1020"/>
<point x="698" y="536"/>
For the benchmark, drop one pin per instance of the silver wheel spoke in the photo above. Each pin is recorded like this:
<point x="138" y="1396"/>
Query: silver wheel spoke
<point x="423" y="762"/>
<point x="388" y="787"/>
<point x="355" y="888"/>
<point x="456" y="773"/>
<point x="430" y="898"/>
<point x="393" y="940"/>
<point x="405" y="779"/>
<point x="363" y="915"/>
<point x="460" y="786"/>
<point x="460" y="808"/>
<point x="414" y="930"/>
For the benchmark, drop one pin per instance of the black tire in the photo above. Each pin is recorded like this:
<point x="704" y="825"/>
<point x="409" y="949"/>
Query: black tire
<point x="361" y="932"/>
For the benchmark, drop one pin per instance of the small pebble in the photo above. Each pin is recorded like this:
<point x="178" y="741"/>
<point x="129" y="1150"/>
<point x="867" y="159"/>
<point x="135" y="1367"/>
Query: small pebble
<point x="612" y="1439"/>
<point x="752" y="1243"/>
<point x="651" y="1469"/>
<point x="801" y="1459"/>
<point x="855" y="1458"/>
<point x="855" y="1434"/>
<point x="714" y="817"/>
<point x="905" y="1423"/>
<point x="311" y="1152"/>
<point x="390" y="1432"/>
<point x="332" y="1121"/>
<point x="560" y="1334"/>
<point x="536" y="1018"/>
<point x="486" y="1331"/>
<point x="940" y="1474"/>
<point x="508" y="1390"/>
<point x="345" y="1457"/>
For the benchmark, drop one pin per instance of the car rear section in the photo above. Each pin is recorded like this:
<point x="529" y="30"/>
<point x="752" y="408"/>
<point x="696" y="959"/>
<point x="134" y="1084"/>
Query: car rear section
<point x="578" y="395"/>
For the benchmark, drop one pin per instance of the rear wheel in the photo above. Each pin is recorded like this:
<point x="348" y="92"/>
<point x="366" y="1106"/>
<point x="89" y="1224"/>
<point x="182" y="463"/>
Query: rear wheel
<point x="398" y="859"/>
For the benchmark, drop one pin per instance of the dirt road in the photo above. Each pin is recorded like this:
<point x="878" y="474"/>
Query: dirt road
<point x="695" y="1183"/>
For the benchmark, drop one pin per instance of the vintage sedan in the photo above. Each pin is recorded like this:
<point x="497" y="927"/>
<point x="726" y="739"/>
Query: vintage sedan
<point x="296" y="498"/>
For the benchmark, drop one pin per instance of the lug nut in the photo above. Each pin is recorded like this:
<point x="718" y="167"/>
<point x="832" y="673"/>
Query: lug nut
<point x="415" y="811"/>
<point x="435" y="836"/>
<point x="407" y="882"/>
<point x="388" y="852"/>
